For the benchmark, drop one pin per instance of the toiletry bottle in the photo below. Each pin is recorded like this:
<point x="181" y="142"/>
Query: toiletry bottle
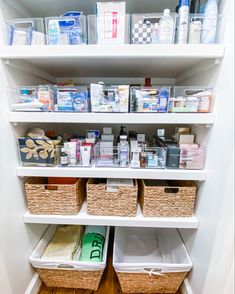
<point x="64" y="160"/>
<point x="210" y="22"/>
<point x="123" y="151"/>
<point x="195" y="26"/>
<point x="166" y="28"/>
<point x="155" y="34"/>
<point x="147" y="82"/>
<point x="182" y="30"/>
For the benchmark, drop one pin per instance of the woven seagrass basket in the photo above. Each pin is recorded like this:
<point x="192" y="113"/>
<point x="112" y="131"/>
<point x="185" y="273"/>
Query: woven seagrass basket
<point x="55" y="199"/>
<point x="71" y="278"/>
<point x="120" y="203"/>
<point x="144" y="283"/>
<point x="167" y="198"/>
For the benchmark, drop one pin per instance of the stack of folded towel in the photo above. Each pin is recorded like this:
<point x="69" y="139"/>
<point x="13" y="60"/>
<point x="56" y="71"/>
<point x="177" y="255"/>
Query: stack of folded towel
<point x="72" y="243"/>
<point x="65" y="245"/>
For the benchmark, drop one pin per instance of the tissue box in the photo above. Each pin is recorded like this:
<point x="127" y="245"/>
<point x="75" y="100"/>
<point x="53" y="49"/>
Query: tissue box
<point x="39" y="152"/>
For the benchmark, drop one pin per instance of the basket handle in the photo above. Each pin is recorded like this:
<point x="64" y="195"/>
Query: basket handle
<point x="171" y="190"/>
<point x="113" y="189"/>
<point x="153" y="271"/>
<point x="51" y="187"/>
<point x="69" y="266"/>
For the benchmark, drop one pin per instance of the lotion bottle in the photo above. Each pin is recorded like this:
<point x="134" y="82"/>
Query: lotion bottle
<point x="166" y="28"/>
<point x="183" y="19"/>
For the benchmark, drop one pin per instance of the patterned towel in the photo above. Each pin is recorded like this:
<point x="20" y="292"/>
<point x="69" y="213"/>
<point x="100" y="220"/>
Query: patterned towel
<point x="142" y="32"/>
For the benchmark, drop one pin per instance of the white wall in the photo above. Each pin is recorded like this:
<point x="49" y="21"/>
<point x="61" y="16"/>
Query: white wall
<point x="211" y="246"/>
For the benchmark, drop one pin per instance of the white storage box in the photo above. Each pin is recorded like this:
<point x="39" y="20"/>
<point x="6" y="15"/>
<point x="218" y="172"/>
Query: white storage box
<point x="67" y="274"/>
<point x="150" y="260"/>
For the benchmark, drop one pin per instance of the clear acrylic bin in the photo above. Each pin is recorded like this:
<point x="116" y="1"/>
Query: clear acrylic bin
<point x="111" y="156"/>
<point x="66" y="30"/>
<point x="149" y="99"/>
<point x="77" y="155"/>
<point x="38" y="152"/>
<point x="113" y="98"/>
<point x="192" y="157"/>
<point x="72" y="99"/>
<point x="203" y="29"/>
<point x="32" y="98"/>
<point x="26" y="31"/>
<point x="146" y="29"/>
<point x="149" y="157"/>
<point x="191" y="99"/>
<point x="109" y="29"/>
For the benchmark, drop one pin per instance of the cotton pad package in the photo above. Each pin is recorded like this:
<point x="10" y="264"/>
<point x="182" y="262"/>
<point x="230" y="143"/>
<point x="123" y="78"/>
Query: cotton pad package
<point x="66" y="30"/>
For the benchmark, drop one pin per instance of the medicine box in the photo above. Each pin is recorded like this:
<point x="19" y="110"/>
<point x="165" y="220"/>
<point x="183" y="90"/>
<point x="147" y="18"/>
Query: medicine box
<point x="149" y="99"/>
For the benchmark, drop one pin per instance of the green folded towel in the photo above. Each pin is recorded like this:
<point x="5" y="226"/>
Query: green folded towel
<point x="93" y="244"/>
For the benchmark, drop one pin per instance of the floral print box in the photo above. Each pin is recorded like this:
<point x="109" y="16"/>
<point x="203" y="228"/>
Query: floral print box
<point x="39" y="152"/>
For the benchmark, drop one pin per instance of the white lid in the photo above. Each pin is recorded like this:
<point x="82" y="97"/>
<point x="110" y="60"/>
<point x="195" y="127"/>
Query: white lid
<point x="123" y="137"/>
<point x="166" y="11"/>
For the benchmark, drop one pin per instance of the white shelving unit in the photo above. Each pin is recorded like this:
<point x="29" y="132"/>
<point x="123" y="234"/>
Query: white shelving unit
<point x="138" y="221"/>
<point x="119" y="60"/>
<point x="102" y="172"/>
<point x="115" y="118"/>
<point x="207" y="234"/>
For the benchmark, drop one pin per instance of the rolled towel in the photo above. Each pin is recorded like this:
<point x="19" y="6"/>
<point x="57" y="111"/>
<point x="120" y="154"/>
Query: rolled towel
<point x="93" y="244"/>
<point x="65" y="244"/>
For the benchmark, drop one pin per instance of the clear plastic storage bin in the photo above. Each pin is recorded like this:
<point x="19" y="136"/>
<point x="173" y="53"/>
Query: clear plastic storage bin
<point x="109" y="98"/>
<point x="107" y="155"/>
<point x="72" y="99"/>
<point x="150" y="157"/>
<point x="75" y="154"/>
<point x="66" y="30"/>
<point x="32" y="98"/>
<point x="191" y="99"/>
<point x="149" y="29"/>
<point x="26" y="31"/>
<point x="110" y="29"/>
<point x="149" y="99"/>
<point x="203" y="29"/>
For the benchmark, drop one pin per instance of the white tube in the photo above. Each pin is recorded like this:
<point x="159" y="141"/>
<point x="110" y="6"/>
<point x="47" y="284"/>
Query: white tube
<point x="85" y="155"/>
<point x="72" y="153"/>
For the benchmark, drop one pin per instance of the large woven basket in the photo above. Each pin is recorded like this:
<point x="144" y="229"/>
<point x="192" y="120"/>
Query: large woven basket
<point x="67" y="273"/>
<point x="54" y="198"/>
<point x="102" y="202"/>
<point x="71" y="278"/>
<point x="169" y="199"/>
<point x="144" y="283"/>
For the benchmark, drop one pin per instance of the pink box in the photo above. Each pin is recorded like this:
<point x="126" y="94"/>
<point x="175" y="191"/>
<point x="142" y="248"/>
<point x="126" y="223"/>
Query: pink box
<point x="192" y="157"/>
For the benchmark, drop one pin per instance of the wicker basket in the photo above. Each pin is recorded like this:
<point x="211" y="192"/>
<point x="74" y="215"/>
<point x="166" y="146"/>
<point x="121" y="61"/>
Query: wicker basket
<point x="54" y="199"/>
<point x="120" y="203"/>
<point x="144" y="283"/>
<point x="71" y="278"/>
<point x="169" y="199"/>
<point x="152" y="260"/>
<point x="67" y="274"/>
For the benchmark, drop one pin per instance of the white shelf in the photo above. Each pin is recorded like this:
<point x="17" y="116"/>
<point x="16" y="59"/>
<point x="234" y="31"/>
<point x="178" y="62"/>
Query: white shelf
<point x="168" y="61"/>
<point x="138" y="221"/>
<point x="93" y="172"/>
<point x="114" y="118"/>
